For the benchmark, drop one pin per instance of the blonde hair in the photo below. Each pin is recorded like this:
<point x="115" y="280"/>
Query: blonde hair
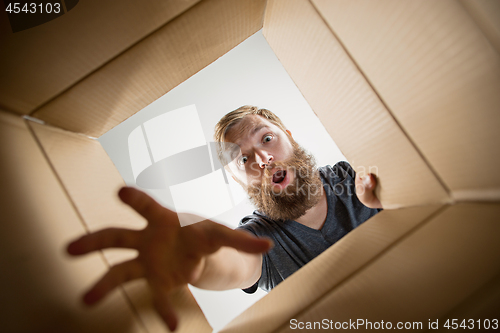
<point x="234" y="117"/>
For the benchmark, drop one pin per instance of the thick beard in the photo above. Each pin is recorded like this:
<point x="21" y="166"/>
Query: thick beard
<point x="303" y="193"/>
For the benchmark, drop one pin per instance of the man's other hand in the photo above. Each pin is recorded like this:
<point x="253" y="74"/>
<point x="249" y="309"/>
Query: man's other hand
<point x="169" y="256"/>
<point x="365" y="190"/>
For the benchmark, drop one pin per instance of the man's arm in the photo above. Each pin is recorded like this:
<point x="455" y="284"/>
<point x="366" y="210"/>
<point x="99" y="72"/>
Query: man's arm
<point x="229" y="268"/>
<point x="206" y="254"/>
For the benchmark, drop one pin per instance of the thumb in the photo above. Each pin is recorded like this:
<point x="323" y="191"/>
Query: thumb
<point x="369" y="182"/>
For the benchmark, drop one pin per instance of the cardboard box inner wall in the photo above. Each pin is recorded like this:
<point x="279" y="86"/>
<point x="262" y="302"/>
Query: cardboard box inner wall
<point x="409" y="87"/>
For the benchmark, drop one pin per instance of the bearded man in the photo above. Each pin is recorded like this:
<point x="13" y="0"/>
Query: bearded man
<point x="301" y="209"/>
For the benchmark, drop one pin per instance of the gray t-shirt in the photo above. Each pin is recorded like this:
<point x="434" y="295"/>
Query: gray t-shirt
<point x="296" y="244"/>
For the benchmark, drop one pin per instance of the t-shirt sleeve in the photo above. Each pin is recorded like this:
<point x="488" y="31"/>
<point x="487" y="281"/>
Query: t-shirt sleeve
<point x="344" y="171"/>
<point x="269" y="275"/>
<point x="252" y="289"/>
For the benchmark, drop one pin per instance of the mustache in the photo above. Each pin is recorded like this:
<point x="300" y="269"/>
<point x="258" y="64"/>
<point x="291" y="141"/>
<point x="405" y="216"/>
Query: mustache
<point x="273" y="168"/>
<point x="301" y="164"/>
<point x="301" y="194"/>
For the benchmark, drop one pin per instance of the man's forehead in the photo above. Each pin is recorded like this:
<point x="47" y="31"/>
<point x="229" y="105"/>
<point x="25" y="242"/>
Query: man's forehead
<point x="246" y="127"/>
<point x="238" y="133"/>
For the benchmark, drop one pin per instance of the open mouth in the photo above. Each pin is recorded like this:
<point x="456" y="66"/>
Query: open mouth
<point x="279" y="176"/>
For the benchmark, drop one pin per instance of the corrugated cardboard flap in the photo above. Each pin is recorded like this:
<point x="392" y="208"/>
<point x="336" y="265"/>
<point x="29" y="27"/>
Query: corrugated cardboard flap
<point x="347" y="105"/>
<point x="427" y="276"/>
<point x="486" y="13"/>
<point x="331" y="269"/>
<point x="42" y="62"/>
<point x="154" y="66"/>
<point x="92" y="181"/>
<point x="41" y="286"/>
<point x="438" y="75"/>
<point x="412" y="264"/>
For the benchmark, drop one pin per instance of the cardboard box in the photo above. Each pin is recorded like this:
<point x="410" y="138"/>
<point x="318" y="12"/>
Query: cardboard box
<point x="411" y="87"/>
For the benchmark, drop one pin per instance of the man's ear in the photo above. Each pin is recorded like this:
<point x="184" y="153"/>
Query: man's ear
<point x="289" y="133"/>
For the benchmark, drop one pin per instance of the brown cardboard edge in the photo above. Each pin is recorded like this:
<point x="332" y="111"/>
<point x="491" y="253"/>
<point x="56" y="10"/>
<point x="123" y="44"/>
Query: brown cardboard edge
<point x="384" y="103"/>
<point x="52" y="111"/>
<point x="5" y="109"/>
<point x="477" y="286"/>
<point x="21" y="125"/>
<point x="294" y="307"/>
<point x="445" y="157"/>
<point x="136" y="294"/>
<point x="484" y="303"/>
<point x="441" y="193"/>
<point x="24" y="98"/>
<point x="486" y="195"/>
<point x="124" y="51"/>
<point x="29" y="124"/>
<point x="479" y="14"/>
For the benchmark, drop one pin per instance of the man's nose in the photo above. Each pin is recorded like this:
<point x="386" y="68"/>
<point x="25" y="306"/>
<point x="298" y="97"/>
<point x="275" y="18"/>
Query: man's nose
<point x="263" y="159"/>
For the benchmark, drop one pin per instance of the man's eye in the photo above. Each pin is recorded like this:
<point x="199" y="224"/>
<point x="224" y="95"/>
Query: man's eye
<point x="268" y="138"/>
<point x="243" y="160"/>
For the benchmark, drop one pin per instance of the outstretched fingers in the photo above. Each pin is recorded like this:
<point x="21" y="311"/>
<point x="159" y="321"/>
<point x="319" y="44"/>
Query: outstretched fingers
<point x="103" y="239"/>
<point x="147" y="206"/>
<point x="118" y="274"/>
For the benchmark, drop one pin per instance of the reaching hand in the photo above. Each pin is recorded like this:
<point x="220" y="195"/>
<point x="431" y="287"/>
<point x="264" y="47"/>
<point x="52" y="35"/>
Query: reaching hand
<point x="365" y="190"/>
<point x="169" y="256"/>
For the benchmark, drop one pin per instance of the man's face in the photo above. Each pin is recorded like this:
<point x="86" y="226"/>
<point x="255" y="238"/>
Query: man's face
<point x="280" y="177"/>
<point x="258" y="143"/>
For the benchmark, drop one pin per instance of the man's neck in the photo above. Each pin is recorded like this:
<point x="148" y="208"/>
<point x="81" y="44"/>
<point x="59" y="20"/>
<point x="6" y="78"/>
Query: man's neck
<point x="315" y="217"/>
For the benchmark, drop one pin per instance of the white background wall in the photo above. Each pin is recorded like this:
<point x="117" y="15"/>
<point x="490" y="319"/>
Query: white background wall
<point x="248" y="74"/>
